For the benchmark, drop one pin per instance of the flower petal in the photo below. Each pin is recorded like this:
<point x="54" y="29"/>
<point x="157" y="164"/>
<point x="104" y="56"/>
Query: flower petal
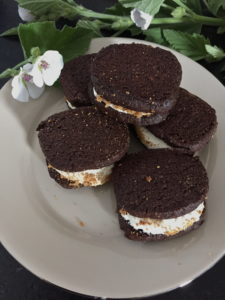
<point x="55" y="65"/>
<point x="140" y="18"/>
<point x="37" y="75"/>
<point x="34" y="91"/>
<point x="19" y="90"/>
<point x="52" y="56"/>
<point x="51" y="74"/>
<point x="27" y="67"/>
<point x="15" y="81"/>
<point x="47" y="68"/>
<point x="25" y="14"/>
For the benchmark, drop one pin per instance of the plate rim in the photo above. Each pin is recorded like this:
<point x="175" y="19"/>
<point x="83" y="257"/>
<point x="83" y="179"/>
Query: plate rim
<point x="210" y="265"/>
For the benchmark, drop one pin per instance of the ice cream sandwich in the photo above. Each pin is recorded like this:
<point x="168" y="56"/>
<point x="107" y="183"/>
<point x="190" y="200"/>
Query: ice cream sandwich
<point x="135" y="83"/>
<point x="81" y="146"/>
<point x="75" y="80"/>
<point x="190" y="125"/>
<point x="160" y="194"/>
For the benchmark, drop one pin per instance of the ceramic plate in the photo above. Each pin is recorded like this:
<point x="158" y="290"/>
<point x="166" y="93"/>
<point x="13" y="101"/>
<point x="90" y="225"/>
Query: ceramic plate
<point x="71" y="237"/>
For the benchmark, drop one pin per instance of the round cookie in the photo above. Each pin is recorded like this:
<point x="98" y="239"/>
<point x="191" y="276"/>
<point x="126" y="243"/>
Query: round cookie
<point x="130" y="119"/>
<point x="160" y="193"/>
<point x="138" y="82"/>
<point x="190" y="125"/>
<point x="81" y="146"/>
<point x="74" y="79"/>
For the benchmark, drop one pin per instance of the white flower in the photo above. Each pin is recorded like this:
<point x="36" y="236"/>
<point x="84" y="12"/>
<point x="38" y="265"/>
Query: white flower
<point x="23" y="87"/>
<point x="25" y="14"/>
<point x="140" y="18"/>
<point x="47" y="68"/>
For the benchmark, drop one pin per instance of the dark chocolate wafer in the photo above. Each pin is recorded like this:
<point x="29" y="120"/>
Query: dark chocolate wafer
<point x="75" y="78"/>
<point x="157" y="185"/>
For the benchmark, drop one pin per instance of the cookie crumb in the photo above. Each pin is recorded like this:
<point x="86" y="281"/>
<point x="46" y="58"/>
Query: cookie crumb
<point x="148" y="178"/>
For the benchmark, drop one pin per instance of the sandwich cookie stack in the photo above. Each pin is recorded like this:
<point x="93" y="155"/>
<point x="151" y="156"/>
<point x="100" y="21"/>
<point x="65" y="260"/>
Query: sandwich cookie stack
<point x="135" y="83"/>
<point x="81" y="146"/>
<point x="160" y="193"/>
<point x="162" y="197"/>
<point x="190" y="125"/>
<point x="75" y="79"/>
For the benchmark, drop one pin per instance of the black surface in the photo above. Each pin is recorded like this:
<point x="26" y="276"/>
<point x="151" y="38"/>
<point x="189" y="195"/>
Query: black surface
<point x="16" y="283"/>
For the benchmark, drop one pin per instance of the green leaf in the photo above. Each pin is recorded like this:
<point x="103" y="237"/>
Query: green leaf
<point x="121" y="25"/>
<point x="179" y="12"/>
<point x="182" y="3"/>
<point x="9" y="32"/>
<point x="221" y="30"/>
<point x="215" y="5"/>
<point x="192" y="45"/>
<point x="8" y="73"/>
<point x="71" y="2"/>
<point x="118" y="10"/>
<point x="222" y="69"/>
<point x="50" y="9"/>
<point x="195" y="5"/>
<point x="134" y="30"/>
<point x="35" y="52"/>
<point x="195" y="46"/>
<point x="150" y="7"/>
<point x="94" y="26"/>
<point x="69" y="41"/>
<point x="155" y="35"/>
<point x="188" y="28"/>
<point x="215" y="53"/>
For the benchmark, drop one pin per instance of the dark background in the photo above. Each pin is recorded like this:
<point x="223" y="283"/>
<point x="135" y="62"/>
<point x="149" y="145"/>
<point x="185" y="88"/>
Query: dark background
<point x="16" y="283"/>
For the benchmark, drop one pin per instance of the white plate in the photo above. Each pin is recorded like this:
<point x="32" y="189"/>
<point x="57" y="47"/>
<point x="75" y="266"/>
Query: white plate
<point x="71" y="237"/>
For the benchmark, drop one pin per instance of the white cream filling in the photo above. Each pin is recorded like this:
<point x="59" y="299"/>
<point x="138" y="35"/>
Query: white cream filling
<point x="115" y="107"/>
<point x="120" y="108"/>
<point x="92" y="177"/>
<point x="70" y="105"/>
<point x="166" y="227"/>
<point x="149" y="139"/>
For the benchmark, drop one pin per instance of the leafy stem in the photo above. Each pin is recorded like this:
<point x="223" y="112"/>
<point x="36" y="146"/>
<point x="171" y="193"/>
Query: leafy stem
<point x="193" y="18"/>
<point x="181" y="4"/>
<point x="118" y="33"/>
<point x="171" y="8"/>
<point x="88" y="13"/>
<point x="208" y="20"/>
<point x="14" y="71"/>
<point x="190" y="19"/>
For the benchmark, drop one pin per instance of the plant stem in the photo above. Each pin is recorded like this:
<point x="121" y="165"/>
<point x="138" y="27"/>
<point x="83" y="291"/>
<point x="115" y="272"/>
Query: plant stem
<point x="190" y="20"/>
<point x="168" y="6"/>
<point x="181" y="4"/>
<point x="82" y="11"/>
<point x="208" y="20"/>
<point x="119" y="32"/>
<point x="161" y="21"/>
<point x="22" y="63"/>
<point x="194" y="18"/>
<point x="9" y="72"/>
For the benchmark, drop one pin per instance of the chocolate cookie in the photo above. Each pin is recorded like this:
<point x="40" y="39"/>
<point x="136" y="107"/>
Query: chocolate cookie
<point x="160" y="193"/>
<point x="74" y="80"/>
<point x="190" y="125"/>
<point x="138" y="82"/>
<point x="82" y="145"/>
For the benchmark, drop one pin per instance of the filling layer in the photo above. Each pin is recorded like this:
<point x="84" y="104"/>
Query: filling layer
<point x="92" y="177"/>
<point x="70" y="105"/>
<point x="149" y="139"/>
<point x="166" y="227"/>
<point x="121" y="109"/>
